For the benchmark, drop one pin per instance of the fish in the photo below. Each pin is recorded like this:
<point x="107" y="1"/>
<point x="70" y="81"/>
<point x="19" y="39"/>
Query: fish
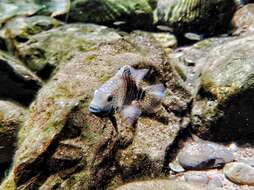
<point x="123" y="93"/>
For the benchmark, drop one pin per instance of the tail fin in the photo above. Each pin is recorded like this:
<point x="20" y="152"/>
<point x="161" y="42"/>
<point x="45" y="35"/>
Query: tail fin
<point x="154" y="97"/>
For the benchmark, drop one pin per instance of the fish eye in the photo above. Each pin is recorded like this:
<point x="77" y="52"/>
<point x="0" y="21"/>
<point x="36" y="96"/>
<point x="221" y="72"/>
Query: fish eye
<point x="110" y="98"/>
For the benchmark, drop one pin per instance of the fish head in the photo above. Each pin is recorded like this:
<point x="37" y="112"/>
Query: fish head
<point x="106" y="98"/>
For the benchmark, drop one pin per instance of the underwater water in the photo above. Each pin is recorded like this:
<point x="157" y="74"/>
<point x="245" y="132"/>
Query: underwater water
<point x="126" y="94"/>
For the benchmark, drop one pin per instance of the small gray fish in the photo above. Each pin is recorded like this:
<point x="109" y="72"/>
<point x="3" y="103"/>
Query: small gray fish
<point x="122" y="93"/>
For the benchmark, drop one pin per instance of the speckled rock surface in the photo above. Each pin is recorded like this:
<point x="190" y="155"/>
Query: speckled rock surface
<point x="203" y="17"/>
<point x="225" y="104"/>
<point x="240" y="173"/>
<point x="70" y="148"/>
<point x="243" y="20"/>
<point x="203" y="155"/>
<point x="43" y="52"/>
<point x="12" y="117"/>
<point x="20" y="29"/>
<point x="204" y="122"/>
<point x="134" y="13"/>
<point x="158" y="184"/>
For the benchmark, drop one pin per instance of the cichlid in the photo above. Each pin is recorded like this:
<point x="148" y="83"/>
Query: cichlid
<point x="123" y="93"/>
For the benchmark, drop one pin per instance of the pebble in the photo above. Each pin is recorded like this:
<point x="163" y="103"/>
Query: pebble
<point x="239" y="173"/>
<point x="204" y="155"/>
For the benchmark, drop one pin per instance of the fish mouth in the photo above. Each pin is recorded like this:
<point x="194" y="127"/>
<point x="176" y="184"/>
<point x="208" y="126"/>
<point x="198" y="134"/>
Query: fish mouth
<point x="100" y="112"/>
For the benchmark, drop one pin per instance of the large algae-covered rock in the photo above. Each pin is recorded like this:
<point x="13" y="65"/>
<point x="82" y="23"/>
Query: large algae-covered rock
<point x="44" y="51"/>
<point x="189" y="61"/>
<point x="63" y="146"/>
<point x="17" y="82"/>
<point x="12" y="117"/>
<point x="225" y="107"/>
<point x="205" y="17"/>
<point x="20" y="29"/>
<point x="135" y="13"/>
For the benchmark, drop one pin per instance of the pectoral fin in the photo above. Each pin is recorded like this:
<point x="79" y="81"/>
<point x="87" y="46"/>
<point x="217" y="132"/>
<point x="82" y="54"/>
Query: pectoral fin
<point x="131" y="113"/>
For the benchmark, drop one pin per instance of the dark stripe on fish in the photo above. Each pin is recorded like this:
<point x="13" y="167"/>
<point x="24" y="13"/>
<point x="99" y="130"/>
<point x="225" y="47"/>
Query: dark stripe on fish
<point x="132" y="91"/>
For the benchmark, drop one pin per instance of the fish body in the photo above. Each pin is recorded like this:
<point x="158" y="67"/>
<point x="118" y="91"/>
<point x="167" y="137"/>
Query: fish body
<point x="123" y="93"/>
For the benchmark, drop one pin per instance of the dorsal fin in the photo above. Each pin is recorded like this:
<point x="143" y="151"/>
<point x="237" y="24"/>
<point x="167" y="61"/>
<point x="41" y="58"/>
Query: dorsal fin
<point x="136" y="74"/>
<point x="126" y="72"/>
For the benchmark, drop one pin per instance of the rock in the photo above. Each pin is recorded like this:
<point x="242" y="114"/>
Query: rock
<point x="20" y="29"/>
<point x="10" y="9"/>
<point x="17" y="82"/>
<point x="209" y="182"/>
<point x="45" y="51"/>
<point x="224" y="106"/>
<point x="189" y="61"/>
<point x="121" y="13"/>
<point x="145" y="156"/>
<point x="165" y="40"/>
<point x="199" y="178"/>
<point x="204" y="155"/>
<point x="12" y="117"/>
<point x="161" y="184"/>
<point x="243" y="20"/>
<point x="176" y="167"/>
<point x="84" y="149"/>
<point x="214" y="182"/>
<point x="208" y="17"/>
<point x="212" y="179"/>
<point x="239" y="173"/>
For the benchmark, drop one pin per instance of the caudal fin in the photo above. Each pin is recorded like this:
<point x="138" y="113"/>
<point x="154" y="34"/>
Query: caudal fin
<point x="153" y="98"/>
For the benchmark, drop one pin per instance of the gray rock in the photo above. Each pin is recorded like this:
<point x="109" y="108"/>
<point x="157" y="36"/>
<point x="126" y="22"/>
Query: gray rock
<point x="198" y="178"/>
<point x="239" y="173"/>
<point x="243" y="20"/>
<point x="16" y="81"/>
<point x="176" y="167"/>
<point x="204" y="155"/>
<point x="215" y="181"/>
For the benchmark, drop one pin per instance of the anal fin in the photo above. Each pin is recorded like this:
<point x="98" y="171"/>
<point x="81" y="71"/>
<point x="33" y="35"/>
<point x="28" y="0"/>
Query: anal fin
<point x="131" y="112"/>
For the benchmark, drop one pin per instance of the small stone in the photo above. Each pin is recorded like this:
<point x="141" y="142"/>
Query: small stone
<point x="204" y="155"/>
<point x="196" y="178"/>
<point x="243" y="20"/>
<point x="240" y="173"/>
<point x="176" y="167"/>
<point x="215" y="181"/>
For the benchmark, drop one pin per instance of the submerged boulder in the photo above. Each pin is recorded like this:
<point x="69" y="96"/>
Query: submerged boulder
<point x="20" y="29"/>
<point x="224" y="107"/>
<point x="10" y="9"/>
<point x="62" y="145"/>
<point x="202" y="17"/>
<point x="43" y="52"/>
<point x="12" y="117"/>
<point x="128" y="13"/>
<point x="17" y="82"/>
